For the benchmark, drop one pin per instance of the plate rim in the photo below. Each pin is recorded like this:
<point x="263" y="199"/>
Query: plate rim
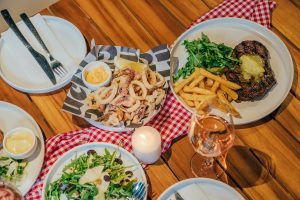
<point x="41" y="137"/>
<point x="198" y="180"/>
<point x="71" y="151"/>
<point x="247" y="23"/>
<point x="60" y="84"/>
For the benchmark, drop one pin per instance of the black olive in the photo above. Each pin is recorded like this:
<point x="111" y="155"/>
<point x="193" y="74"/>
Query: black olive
<point x="91" y="152"/>
<point x="129" y="173"/>
<point x="64" y="186"/>
<point x="119" y="161"/>
<point x="122" y="182"/>
<point x="106" y="178"/>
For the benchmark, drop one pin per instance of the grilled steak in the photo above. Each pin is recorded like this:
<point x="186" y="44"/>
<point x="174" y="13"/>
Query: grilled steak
<point x="252" y="89"/>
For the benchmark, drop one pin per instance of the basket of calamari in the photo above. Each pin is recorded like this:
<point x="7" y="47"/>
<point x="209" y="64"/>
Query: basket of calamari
<point x="134" y="93"/>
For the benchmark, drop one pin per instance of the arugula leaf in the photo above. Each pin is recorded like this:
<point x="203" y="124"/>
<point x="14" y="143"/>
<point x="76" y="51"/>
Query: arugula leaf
<point x="205" y="54"/>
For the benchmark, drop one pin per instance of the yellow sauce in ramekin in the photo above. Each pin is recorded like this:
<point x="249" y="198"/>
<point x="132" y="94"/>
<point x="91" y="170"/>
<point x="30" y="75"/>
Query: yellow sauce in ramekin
<point x="97" y="75"/>
<point x="19" y="142"/>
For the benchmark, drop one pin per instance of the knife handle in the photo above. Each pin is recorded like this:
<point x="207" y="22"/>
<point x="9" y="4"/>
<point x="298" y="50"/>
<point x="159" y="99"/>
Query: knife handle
<point x="31" y="27"/>
<point x="9" y="20"/>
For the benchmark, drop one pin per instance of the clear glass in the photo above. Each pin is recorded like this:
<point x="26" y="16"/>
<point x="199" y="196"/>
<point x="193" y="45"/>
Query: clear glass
<point x="211" y="136"/>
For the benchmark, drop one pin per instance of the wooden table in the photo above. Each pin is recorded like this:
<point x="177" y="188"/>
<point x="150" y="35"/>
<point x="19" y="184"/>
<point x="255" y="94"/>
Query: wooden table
<point x="264" y="163"/>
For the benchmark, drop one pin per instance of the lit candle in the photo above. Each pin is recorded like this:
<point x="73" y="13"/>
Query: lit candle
<point x="146" y="144"/>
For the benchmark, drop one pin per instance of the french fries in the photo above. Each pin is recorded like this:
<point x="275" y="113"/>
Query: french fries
<point x="186" y="81"/>
<point x="229" y="84"/>
<point x="197" y="90"/>
<point x="203" y="88"/>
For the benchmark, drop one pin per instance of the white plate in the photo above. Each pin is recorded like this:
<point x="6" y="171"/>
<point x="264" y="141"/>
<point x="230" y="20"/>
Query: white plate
<point x="210" y="188"/>
<point x="71" y="39"/>
<point x="12" y="117"/>
<point x="127" y="158"/>
<point x="232" y="31"/>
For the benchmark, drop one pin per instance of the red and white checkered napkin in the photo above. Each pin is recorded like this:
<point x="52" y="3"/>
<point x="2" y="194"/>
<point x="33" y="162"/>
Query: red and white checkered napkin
<point x="258" y="11"/>
<point x="173" y="118"/>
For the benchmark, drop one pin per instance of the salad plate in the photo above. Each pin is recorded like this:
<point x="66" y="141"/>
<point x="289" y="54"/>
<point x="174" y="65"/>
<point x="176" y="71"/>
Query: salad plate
<point x="98" y="150"/>
<point x="62" y="38"/>
<point x="201" y="189"/>
<point x="10" y="118"/>
<point x="231" y="32"/>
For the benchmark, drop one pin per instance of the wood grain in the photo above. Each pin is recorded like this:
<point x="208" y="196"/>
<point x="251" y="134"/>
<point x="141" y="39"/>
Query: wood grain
<point x="272" y="139"/>
<point x="10" y="95"/>
<point x="184" y="11"/>
<point x="287" y="116"/>
<point x="118" y="22"/>
<point x="69" y="10"/>
<point x="285" y="18"/>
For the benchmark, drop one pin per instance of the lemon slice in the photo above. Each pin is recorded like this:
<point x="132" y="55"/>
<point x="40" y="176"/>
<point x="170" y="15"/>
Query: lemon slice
<point x="121" y="63"/>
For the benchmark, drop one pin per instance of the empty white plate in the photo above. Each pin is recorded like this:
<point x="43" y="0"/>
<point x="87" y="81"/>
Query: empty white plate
<point x="33" y="79"/>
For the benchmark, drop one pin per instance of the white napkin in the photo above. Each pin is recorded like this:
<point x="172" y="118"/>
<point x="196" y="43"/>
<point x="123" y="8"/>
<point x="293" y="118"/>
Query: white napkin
<point x="28" y="69"/>
<point x="191" y="192"/>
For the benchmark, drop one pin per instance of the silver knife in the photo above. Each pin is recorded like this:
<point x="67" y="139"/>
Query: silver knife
<point x="37" y="56"/>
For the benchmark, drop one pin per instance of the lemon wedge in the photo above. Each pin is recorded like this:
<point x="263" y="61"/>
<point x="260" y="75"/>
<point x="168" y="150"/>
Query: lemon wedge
<point x="121" y="63"/>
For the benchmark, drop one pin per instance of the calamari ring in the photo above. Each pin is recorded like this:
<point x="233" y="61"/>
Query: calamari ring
<point x="160" y="96"/>
<point x="115" y="100"/>
<point x="101" y="98"/>
<point x="99" y="91"/>
<point x="152" y="78"/>
<point x="132" y="108"/>
<point x="150" y="107"/>
<point x="161" y="79"/>
<point x="91" y="101"/>
<point x="132" y="92"/>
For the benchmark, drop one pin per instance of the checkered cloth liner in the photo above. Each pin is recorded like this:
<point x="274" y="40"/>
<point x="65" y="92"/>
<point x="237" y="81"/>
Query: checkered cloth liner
<point x="172" y="120"/>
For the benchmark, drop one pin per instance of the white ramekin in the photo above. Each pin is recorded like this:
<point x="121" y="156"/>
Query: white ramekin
<point x="25" y="154"/>
<point x="93" y="65"/>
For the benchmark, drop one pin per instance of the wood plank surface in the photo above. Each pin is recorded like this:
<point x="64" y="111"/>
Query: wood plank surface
<point x="264" y="162"/>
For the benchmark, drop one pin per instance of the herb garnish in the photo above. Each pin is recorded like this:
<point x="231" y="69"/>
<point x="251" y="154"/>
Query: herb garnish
<point x="11" y="169"/>
<point x="205" y="54"/>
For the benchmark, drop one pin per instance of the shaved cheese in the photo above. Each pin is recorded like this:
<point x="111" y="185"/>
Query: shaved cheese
<point x="91" y="175"/>
<point x="102" y="187"/>
<point x="12" y="168"/>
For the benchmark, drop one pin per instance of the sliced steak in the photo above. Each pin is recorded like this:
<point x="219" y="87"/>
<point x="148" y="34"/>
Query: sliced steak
<point x="251" y="89"/>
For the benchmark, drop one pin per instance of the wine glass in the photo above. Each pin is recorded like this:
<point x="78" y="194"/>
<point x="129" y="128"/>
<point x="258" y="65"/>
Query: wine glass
<point x="211" y="136"/>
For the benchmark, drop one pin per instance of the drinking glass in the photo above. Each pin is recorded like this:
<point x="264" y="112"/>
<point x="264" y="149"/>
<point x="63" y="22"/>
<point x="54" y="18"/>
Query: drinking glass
<point x="211" y="136"/>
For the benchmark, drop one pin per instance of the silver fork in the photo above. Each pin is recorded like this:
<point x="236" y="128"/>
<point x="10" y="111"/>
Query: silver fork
<point x="56" y="66"/>
<point x="139" y="191"/>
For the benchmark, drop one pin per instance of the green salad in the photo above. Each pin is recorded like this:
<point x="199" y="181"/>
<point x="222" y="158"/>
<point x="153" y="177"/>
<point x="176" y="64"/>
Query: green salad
<point x="93" y="176"/>
<point x="208" y="55"/>
<point x="11" y="170"/>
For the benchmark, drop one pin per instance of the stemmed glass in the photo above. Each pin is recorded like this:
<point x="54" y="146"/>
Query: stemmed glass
<point x="211" y="136"/>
